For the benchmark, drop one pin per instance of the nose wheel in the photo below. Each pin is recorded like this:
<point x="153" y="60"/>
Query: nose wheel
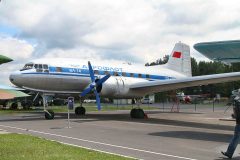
<point x="49" y="114"/>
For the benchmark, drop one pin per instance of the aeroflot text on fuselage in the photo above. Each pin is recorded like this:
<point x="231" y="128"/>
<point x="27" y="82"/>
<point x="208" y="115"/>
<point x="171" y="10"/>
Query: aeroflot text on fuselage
<point x="101" y="68"/>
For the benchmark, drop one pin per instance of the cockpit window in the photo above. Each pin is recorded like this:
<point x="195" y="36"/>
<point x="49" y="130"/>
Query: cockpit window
<point x="27" y="66"/>
<point x="40" y="66"/>
<point x="36" y="66"/>
<point x="45" y="66"/>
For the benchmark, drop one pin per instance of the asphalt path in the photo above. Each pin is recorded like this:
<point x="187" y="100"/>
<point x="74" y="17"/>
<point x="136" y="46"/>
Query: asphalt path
<point x="165" y="135"/>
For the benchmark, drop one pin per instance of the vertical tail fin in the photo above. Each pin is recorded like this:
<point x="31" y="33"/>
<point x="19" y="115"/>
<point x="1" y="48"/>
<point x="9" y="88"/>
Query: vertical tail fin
<point x="180" y="59"/>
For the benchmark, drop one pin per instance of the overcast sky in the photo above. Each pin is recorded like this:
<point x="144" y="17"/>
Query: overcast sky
<point x="127" y="30"/>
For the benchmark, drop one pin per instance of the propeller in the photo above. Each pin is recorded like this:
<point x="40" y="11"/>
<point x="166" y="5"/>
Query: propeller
<point x="93" y="86"/>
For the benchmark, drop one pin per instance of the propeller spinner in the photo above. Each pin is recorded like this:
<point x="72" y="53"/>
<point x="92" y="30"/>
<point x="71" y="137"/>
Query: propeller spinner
<point x="93" y="86"/>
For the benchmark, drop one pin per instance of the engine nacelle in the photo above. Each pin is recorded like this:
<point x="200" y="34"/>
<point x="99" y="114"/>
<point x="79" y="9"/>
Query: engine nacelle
<point x="116" y="87"/>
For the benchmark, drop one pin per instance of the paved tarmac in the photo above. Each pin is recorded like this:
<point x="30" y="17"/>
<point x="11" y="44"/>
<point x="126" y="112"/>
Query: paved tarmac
<point x="165" y="135"/>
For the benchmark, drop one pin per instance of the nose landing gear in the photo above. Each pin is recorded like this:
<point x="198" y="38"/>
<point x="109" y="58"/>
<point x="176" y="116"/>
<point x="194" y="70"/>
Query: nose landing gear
<point x="49" y="114"/>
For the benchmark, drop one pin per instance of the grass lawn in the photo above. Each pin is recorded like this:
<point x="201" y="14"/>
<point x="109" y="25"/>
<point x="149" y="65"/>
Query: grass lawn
<point x="26" y="147"/>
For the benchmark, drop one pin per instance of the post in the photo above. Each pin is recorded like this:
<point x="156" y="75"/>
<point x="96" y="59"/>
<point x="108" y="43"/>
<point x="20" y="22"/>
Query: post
<point x="213" y="105"/>
<point x="68" y="118"/>
<point x="195" y="103"/>
<point x="70" y="106"/>
<point x="163" y="105"/>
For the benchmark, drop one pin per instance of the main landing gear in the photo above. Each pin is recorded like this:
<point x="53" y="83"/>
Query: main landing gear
<point x="137" y="113"/>
<point x="80" y="110"/>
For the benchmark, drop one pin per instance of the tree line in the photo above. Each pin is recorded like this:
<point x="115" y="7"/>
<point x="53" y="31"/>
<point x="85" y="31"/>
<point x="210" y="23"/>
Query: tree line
<point x="203" y="68"/>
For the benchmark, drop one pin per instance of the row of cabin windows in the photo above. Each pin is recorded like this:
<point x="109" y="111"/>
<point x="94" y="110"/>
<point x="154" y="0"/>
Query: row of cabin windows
<point x="124" y="74"/>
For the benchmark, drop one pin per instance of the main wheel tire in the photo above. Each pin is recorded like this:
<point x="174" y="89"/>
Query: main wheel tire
<point x="49" y="114"/>
<point x="133" y="113"/>
<point x="140" y="114"/>
<point x="80" y="111"/>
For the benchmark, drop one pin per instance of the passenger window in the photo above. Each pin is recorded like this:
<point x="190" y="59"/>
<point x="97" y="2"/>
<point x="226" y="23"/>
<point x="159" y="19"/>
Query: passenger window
<point x="46" y="71"/>
<point x="131" y="75"/>
<point x="115" y="74"/>
<point x="147" y="76"/>
<point x="106" y="73"/>
<point x="139" y="75"/>
<point x="58" y="69"/>
<point x="96" y="72"/>
<point x="124" y="74"/>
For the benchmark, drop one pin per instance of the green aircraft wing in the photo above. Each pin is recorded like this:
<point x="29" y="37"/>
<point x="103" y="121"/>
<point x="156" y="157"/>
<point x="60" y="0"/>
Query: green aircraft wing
<point x="4" y="59"/>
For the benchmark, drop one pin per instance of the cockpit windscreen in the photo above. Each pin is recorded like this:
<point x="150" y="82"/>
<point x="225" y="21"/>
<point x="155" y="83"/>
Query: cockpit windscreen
<point x="27" y="66"/>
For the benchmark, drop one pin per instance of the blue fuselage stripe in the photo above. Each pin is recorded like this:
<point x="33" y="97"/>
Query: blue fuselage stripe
<point x="63" y="71"/>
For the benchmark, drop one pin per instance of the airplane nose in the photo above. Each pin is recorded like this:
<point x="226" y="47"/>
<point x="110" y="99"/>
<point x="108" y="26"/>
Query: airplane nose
<point x="14" y="78"/>
<point x="11" y="77"/>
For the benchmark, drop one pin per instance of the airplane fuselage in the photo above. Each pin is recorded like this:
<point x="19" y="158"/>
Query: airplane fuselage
<point x="72" y="76"/>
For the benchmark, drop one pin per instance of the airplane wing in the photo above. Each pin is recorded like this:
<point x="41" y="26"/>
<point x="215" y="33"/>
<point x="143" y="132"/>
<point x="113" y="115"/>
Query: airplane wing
<point x="10" y="94"/>
<point x="4" y="59"/>
<point x="159" y="86"/>
<point x="224" y="51"/>
<point x="5" y="95"/>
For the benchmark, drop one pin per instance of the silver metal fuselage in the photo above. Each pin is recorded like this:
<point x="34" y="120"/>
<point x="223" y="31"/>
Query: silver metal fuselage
<point x="73" y="77"/>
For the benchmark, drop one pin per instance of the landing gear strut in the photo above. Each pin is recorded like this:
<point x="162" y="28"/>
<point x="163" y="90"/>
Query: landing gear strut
<point x="49" y="114"/>
<point x="137" y="113"/>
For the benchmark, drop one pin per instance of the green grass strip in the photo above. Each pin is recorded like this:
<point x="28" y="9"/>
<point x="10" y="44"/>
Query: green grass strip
<point x="25" y="147"/>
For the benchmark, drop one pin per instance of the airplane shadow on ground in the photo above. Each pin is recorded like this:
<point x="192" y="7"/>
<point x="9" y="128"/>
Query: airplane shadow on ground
<point x="195" y="135"/>
<point x="89" y="117"/>
<point x="126" y="117"/>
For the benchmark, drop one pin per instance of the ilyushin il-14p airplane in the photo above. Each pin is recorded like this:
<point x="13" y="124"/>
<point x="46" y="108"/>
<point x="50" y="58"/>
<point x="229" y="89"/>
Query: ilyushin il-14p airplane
<point x="74" y="76"/>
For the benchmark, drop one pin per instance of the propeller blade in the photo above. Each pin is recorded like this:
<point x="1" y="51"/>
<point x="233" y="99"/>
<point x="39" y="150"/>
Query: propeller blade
<point x="102" y="80"/>
<point x="94" y="84"/>
<point x="86" y="91"/>
<point x="91" y="71"/>
<point x="97" y="100"/>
